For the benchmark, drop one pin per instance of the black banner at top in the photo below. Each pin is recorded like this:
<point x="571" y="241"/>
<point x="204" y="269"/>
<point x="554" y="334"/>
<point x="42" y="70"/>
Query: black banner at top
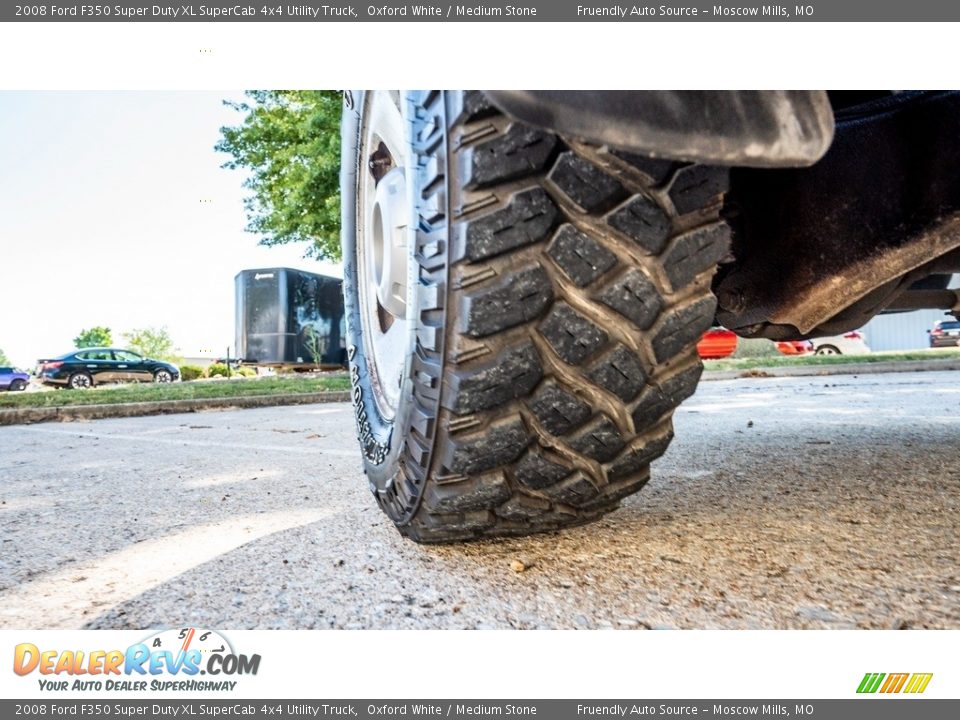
<point x="490" y="10"/>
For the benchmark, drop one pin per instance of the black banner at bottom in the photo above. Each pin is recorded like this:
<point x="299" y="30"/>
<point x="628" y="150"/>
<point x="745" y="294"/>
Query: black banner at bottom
<point x="868" y="708"/>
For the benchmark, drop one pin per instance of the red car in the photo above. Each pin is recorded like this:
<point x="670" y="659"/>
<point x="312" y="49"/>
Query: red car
<point x="795" y="347"/>
<point x="717" y="343"/>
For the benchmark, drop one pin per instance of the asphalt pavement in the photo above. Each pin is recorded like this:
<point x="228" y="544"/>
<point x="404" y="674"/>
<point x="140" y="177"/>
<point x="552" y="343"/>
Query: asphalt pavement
<point x="783" y="503"/>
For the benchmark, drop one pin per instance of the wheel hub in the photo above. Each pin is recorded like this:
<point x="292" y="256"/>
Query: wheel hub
<point x="389" y="243"/>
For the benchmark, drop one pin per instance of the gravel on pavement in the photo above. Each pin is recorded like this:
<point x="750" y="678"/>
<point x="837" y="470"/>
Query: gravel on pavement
<point x="782" y="503"/>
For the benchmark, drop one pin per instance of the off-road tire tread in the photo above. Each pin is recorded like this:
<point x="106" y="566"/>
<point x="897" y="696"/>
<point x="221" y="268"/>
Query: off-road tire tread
<point x="580" y="281"/>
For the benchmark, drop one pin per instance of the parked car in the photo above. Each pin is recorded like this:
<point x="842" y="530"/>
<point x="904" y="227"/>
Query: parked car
<point x="717" y="343"/>
<point x="795" y="347"/>
<point x="14" y="379"/>
<point x="945" y="333"/>
<point x="85" y="368"/>
<point x="851" y="343"/>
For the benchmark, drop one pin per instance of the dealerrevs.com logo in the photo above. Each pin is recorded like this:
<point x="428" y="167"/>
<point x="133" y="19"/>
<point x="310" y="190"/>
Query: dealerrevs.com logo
<point x="911" y="683"/>
<point x="169" y="660"/>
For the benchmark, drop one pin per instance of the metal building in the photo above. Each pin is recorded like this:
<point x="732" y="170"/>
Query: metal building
<point x="904" y="331"/>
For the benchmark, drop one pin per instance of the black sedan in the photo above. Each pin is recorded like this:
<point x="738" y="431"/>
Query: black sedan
<point x="93" y="366"/>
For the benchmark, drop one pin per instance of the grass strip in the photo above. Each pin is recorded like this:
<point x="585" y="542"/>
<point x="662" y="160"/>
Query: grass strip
<point x="196" y="390"/>
<point x="749" y="363"/>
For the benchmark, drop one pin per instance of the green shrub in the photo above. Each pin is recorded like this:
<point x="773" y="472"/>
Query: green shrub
<point x="190" y="372"/>
<point x="217" y="369"/>
<point x="246" y="372"/>
<point x="756" y="348"/>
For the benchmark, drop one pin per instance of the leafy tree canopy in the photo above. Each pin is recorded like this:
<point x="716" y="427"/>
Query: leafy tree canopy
<point x="3" y="358"/>
<point x="289" y="142"/>
<point x="94" y="337"/>
<point x="151" y="342"/>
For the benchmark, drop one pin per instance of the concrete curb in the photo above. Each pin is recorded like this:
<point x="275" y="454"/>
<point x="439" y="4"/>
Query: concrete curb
<point x="864" y="368"/>
<point x="19" y="416"/>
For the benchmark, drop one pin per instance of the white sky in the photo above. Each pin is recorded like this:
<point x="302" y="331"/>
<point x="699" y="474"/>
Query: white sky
<point x="114" y="211"/>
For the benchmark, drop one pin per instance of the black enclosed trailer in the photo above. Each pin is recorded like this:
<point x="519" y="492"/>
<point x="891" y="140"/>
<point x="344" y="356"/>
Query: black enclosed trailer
<point x="290" y="318"/>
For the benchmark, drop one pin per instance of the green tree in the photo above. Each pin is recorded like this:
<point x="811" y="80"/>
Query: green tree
<point x="289" y="142"/>
<point x="3" y="358"/>
<point x="151" y="342"/>
<point x="94" y="337"/>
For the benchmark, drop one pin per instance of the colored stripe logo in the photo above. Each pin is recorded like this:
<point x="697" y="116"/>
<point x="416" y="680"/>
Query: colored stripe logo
<point x="894" y="683"/>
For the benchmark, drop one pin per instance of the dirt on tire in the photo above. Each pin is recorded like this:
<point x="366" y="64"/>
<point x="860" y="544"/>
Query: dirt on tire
<point x="577" y="285"/>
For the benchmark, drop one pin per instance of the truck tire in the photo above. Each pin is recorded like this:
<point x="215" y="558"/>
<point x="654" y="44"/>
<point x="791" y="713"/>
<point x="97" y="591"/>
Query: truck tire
<point x="554" y="296"/>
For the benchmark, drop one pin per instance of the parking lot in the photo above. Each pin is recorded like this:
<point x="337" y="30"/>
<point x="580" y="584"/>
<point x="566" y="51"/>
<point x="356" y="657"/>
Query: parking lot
<point x="816" y="502"/>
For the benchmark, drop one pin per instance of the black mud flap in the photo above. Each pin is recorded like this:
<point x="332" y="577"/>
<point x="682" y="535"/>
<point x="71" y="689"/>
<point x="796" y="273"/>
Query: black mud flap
<point x="750" y="128"/>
